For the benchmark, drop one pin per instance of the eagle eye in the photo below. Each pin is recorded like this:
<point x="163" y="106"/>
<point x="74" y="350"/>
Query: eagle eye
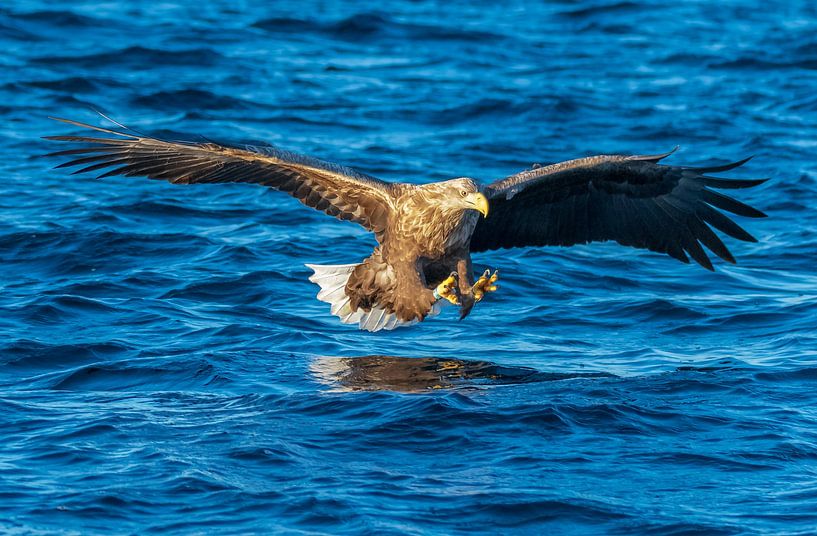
<point x="463" y="193"/>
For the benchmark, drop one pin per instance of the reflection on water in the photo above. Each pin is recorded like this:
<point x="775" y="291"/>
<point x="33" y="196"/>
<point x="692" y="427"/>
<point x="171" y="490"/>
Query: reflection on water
<point x="413" y="374"/>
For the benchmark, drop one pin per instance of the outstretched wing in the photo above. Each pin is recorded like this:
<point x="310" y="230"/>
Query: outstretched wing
<point x="630" y="199"/>
<point x="336" y="190"/>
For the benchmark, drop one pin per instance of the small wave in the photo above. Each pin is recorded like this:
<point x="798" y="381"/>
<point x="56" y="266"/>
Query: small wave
<point x="237" y="290"/>
<point x="285" y="24"/>
<point x="375" y="25"/>
<point x="58" y="19"/>
<point x="785" y="376"/>
<point x="265" y="455"/>
<point x="24" y="355"/>
<point x="67" y="85"/>
<point x="191" y="98"/>
<point x="519" y="512"/>
<point x="12" y="32"/>
<point x="708" y="461"/>
<point x="361" y="25"/>
<point x="72" y="84"/>
<point x="136" y="57"/>
<point x="138" y="375"/>
<point x="754" y="63"/>
<point x="657" y="310"/>
<point x="479" y="110"/>
<point x="83" y="251"/>
<point x="604" y="9"/>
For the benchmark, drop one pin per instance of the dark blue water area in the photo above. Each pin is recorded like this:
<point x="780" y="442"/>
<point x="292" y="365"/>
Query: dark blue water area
<point x="166" y="368"/>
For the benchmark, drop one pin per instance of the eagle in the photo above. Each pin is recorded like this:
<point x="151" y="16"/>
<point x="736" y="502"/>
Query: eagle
<point x="426" y="233"/>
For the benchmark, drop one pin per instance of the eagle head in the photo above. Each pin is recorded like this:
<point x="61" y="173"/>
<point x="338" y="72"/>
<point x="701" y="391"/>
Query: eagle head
<point x="463" y="194"/>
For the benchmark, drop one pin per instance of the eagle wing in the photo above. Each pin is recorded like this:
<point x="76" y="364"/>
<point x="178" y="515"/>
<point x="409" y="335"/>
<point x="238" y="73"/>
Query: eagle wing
<point x="336" y="190"/>
<point x="633" y="200"/>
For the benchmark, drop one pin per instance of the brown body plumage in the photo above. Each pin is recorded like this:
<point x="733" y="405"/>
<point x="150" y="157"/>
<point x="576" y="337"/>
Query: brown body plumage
<point x="426" y="238"/>
<point x="426" y="232"/>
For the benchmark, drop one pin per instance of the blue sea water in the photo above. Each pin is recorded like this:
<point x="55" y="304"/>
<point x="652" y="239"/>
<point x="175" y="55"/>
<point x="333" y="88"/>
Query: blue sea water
<point x="165" y="367"/>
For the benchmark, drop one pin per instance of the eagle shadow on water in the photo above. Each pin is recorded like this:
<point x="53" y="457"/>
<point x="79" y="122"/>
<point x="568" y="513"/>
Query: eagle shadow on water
<point x="427" y="233"/>
<point x="420" y="374"/>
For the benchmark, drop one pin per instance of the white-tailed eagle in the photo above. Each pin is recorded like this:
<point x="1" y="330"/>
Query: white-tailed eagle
<point x="426" y="233"/>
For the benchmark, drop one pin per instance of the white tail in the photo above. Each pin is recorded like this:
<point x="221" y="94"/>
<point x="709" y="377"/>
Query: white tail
<point x="332" y="280"/>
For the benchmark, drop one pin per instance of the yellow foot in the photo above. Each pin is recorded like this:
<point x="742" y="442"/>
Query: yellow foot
<point x="485" y="284"/>
<point x="449" y="289"/>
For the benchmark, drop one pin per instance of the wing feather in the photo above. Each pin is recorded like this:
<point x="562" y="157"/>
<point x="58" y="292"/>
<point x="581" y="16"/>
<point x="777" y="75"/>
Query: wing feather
<point x="336" y="190"/>
<point x="633" y="200"/>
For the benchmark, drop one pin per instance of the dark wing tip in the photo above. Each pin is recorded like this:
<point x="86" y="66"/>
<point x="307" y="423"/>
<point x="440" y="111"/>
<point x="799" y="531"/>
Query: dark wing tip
<point x="730" y="204"/>
<point x="730" y="184"/>
<point x="723" y="167"/>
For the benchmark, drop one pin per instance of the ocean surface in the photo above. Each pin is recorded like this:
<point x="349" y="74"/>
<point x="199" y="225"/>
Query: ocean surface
<point x="165" y="367"/>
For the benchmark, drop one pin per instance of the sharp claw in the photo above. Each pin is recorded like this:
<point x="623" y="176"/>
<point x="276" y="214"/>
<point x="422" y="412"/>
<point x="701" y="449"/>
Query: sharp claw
<point x="485" y="284"/>
<point x="449" y="289"/>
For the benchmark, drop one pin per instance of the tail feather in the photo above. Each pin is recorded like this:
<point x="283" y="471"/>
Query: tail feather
<point x="332" y="279"/>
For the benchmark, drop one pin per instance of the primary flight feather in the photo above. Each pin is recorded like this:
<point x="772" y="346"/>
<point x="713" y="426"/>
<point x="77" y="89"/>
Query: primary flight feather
<point x="426" y="233"/>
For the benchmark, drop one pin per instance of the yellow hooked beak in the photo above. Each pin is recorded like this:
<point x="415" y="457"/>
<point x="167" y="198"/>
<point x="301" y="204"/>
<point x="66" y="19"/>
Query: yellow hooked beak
<point x="480" y="203"/>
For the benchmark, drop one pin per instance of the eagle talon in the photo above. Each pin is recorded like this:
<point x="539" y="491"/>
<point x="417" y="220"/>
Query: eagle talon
<point x="485" y="284"/>
<point x="449" y="289"/>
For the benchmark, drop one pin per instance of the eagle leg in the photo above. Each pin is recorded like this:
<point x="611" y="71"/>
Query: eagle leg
<point x="467" y="300"/>
<point x="485" y="284"/>
<point x="449" y="289"/>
